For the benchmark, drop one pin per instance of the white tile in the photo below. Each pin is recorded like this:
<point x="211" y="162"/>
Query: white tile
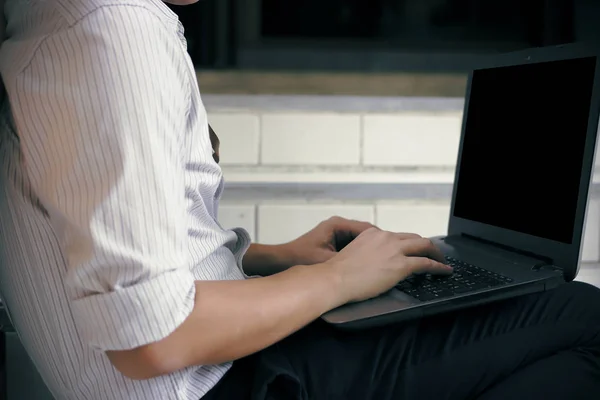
<point x="591" y="237"/>
<point x="238" y="216"/>
<point x="411" y="139"/>
<point x="310" y="139"/>
<point x="424" y="219"/>
<point x="239" y="136"/>
<point x="282" y="223"/>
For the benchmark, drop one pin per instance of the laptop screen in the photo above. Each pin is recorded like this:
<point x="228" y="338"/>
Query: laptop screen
<point x="523" y="147"/>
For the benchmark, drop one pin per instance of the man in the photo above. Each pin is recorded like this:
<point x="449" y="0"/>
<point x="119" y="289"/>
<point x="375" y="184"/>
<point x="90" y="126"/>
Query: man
<point x="123" y="285"/>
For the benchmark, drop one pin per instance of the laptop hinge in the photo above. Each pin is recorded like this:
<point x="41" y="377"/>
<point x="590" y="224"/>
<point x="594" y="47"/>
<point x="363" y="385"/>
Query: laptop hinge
<point x="544" y="261"/>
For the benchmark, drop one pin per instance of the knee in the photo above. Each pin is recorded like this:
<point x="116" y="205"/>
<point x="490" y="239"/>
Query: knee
<point x="582" y="296"/>
<point x="582" y="289"/>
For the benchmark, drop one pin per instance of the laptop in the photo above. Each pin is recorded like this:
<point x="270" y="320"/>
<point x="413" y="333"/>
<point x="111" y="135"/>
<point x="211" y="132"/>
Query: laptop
<point x="520" y="192"/>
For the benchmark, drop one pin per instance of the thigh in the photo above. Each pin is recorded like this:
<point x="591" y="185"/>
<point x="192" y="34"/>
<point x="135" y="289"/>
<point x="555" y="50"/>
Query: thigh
<point x="453" y="356"/>
<point x="572" y="375"/>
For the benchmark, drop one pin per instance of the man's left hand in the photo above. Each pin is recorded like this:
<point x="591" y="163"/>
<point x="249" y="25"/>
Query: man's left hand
<point x="316" y="246"/>
<point x="324" y="241"/>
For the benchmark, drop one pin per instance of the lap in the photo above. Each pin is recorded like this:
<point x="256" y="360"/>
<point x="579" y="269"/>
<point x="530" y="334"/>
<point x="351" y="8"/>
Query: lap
<point x="456" y="355"/>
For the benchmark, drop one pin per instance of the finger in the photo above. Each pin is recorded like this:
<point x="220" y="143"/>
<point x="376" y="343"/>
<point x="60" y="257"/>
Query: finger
<point x="424" y="265"/>
<point x="422" y="247"/>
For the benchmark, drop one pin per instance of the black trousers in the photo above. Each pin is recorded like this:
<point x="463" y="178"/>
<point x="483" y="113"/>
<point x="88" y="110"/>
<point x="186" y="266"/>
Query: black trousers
<point x="543" y="346"/>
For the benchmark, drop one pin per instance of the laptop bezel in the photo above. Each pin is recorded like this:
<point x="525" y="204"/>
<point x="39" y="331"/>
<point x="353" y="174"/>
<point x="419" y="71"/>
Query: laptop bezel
<point x="564" y="256"/>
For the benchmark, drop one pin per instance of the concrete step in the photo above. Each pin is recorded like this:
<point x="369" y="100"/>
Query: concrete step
<point x="403" y="84"/>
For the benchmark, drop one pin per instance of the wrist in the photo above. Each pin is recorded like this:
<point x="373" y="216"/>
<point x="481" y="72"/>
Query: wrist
<point x="335" y="277"/>
<point x="326" y="282"/>
<point x="287" y="255"/>
<point x="264" y="260"/>
<point x="282" y="256"/>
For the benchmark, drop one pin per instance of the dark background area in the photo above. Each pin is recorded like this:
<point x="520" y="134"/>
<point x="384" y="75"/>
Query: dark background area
<point x="376" y="35"/>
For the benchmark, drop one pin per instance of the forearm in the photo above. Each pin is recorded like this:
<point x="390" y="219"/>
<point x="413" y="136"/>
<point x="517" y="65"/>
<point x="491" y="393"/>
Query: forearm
<point x="232" y="319"/>
<point x="265" y="260"/>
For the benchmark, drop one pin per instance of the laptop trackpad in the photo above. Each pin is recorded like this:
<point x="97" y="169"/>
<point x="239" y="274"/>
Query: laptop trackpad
<point x="389" y="302"/>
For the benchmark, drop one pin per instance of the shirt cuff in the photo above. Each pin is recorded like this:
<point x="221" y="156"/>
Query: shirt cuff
<point x="137" y="315"/>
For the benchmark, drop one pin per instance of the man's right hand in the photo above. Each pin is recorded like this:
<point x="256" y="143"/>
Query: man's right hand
<point x="377" y="260"/>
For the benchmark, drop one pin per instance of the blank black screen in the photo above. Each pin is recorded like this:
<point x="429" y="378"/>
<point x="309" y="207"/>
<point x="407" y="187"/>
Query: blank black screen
<point x="523" y="147"/>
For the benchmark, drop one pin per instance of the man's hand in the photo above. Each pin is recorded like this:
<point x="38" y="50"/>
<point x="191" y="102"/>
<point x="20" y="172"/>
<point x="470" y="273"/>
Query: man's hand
<point x="324" y="241"/>
<point x="314" y="247"/>
<point x="377" y="260"/>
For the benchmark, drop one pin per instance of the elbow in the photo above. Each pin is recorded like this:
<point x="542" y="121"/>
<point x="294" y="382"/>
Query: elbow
<point x="143" y="363"/>
<point x="166" y="356"/>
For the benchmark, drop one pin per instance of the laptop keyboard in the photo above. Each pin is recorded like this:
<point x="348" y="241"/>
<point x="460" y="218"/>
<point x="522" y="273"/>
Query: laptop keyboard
<point x="466" y="278"/>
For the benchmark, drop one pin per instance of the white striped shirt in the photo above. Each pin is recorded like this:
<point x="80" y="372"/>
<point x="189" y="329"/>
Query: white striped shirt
<point x="108" y="192"/>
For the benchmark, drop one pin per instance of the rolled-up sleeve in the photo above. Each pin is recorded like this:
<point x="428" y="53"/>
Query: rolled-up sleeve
<point x="105" y="160"/>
